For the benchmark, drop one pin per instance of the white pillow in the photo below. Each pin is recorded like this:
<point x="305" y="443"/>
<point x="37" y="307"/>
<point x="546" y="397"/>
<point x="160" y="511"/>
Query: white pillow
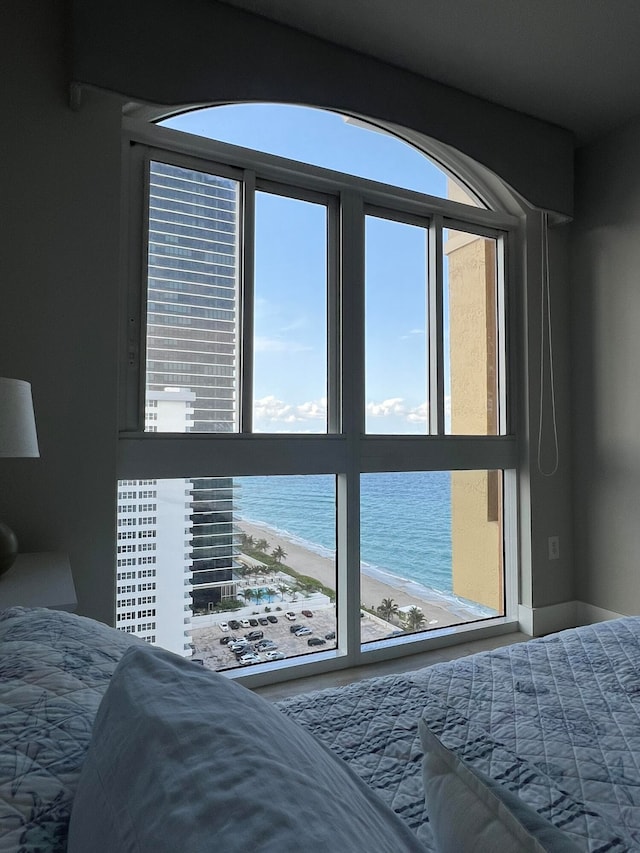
<point x="183" y="759"/>
<point x="470" y="812"/>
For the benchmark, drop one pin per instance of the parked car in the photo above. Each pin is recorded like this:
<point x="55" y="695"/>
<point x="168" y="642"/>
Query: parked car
<point x="263" y="620"/>
<point x="253" y="623"/>
<point x="234" y="624"/>
<point x="244" y="623"/>
<point x="302" y="632"/>
<point x="223" y="626"/>
<point x="316" y="641"/>
<point x="330" y="636"/>
<point x="228" y="638"/>
<point x="295" y="628"/>
<point x="264" y="645"/>
<point x="254" y="635"/>
<point x="275" y="655"/>
<point x="239" y="645"/>
<point x="273" y="619"/>
<point x="250" y="658"/>
<point x="307" y="613"/>
<point x="290" y="615"/>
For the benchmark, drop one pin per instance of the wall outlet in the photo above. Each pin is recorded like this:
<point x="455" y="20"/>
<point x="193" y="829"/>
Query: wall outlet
<point x="554" y="547"/>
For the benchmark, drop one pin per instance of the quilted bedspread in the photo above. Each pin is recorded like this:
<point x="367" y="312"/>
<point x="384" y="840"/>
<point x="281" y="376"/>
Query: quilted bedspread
<point x="54" y="669"/>
<point x="556" y="720"/>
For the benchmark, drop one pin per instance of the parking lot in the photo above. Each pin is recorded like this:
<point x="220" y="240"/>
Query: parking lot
<point x="217" y="656"/>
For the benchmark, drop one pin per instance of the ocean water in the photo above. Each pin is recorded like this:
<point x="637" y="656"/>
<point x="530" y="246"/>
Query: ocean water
<point x="405" y="520"/>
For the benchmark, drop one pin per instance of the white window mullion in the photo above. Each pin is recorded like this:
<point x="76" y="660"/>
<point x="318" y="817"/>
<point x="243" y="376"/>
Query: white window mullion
<point x="135" y="234"/>
<point x="504" y="419"/>
<point x="352" y="243"/>
<point x="334" y="316"/>
<point x="436" y="334"/>
<point x="245" y="314"/>
<point x="510" y="540"/>
<point x="352" y="253"/>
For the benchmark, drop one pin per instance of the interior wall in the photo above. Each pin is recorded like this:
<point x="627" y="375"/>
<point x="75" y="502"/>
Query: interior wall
<point x="59" y="184"/>
<point x="606" y="355"/>
<point x="548" y="447"/>
<point x="59" y="267"/>
<point x="159" y="51"/>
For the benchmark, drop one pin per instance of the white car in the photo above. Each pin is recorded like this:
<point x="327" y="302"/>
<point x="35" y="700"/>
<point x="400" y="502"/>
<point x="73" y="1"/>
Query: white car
<point x="302" y="632"/>
<point x="245" y="623"/>
<point x="290" y="615"/>
<point x="275" y="655"/>
<point x="224" y="626"/>
<point x="250" y="657"/>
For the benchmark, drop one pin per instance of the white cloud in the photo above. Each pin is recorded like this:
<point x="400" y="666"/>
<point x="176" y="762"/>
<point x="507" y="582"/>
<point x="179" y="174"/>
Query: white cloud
<point x="412" y="332"/>
<point x="313" y="410"/>
<point x="392" y="406"/>
<point x="419" y="414"/>
<point x="270" y="408"/>
<point x="273" y="409"/>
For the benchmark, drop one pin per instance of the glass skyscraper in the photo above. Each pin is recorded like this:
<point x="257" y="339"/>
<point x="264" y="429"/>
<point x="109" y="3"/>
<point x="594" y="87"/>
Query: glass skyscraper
<point x="191" y="337"/>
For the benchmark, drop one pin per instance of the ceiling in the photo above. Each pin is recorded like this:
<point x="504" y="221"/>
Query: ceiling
<point x="575" y="63"/>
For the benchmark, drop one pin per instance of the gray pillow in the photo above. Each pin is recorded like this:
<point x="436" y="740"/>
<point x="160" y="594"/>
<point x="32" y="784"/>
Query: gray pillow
<point x="182" y="758"/>
<point x="470" y="812"/>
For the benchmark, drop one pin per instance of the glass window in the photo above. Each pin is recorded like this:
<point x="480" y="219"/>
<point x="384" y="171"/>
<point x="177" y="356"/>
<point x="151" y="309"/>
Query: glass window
<point x="290" y="346"/>
<point x="195" y="291"/>
<point x="431" y="549"/>
<point x="307" y="389"/>
<point x="471" y="334"/>
<point x="396" y="332"/>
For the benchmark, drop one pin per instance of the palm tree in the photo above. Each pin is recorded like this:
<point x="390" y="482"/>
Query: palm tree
<point x="415" y="619"/>
<point x="270" y="591"/>
<point x="247" y="594"/>
<point x="247" y="541"/>
<point x="282" y="589"/>
<point x="279" y="554"/>
<point x="262" y="545"/>
<point x="387" y="608"/>
<point x="258" y="594"/>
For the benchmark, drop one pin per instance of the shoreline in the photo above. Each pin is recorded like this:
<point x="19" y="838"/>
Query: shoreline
<point x="436" y="612"/>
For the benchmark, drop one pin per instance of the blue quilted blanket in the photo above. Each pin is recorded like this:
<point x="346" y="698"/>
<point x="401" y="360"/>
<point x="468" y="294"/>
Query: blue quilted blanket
<point x="556" y="720"/>
<point x="54" y="669"/>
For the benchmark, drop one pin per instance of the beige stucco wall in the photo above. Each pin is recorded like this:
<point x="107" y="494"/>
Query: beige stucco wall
<point x="476" y="503"/>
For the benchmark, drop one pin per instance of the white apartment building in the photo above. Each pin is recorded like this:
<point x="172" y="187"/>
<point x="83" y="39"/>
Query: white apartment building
<point x="153" y="597"/>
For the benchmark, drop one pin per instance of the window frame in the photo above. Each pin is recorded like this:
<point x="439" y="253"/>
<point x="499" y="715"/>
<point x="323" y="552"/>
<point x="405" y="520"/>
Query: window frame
<point x="345" y="451"/>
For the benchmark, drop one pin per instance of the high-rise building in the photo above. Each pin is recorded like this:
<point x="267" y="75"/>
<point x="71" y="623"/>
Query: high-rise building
<point x="153" y="593"/>
<point x="192" y="333"/>
<point x="192" y="317"/>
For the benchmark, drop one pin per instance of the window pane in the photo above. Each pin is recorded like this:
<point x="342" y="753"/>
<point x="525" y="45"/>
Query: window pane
<point x="290" y="361"/>
<point x="193" y="554"/>
<point x="192" y="301"/>
<point x="431" y="549"/>
<point x="396" y="344"/>
<point x="471" y="335"/>
<point x="322" y="138"/>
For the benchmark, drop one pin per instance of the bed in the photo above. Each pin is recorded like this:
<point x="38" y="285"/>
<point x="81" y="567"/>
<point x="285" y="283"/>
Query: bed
<point x="553" y="723"/>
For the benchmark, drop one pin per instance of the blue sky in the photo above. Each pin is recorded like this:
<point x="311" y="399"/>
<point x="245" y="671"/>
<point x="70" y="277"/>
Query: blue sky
<point x="290" y="339"/>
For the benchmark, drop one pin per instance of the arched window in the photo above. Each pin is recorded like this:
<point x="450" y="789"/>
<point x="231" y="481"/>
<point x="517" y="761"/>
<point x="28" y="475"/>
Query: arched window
<point x="316" y="374"/>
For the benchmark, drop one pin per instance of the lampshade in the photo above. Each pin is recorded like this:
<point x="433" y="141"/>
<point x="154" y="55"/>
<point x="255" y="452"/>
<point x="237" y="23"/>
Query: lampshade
<point x="17" y="422"/>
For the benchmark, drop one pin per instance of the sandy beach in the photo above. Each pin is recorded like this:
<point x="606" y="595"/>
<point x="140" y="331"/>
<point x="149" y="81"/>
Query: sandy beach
<point x="372" y="590"/>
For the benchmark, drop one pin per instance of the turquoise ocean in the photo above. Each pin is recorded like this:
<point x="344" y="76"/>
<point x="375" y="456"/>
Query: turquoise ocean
<point x="405" y="521"/>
